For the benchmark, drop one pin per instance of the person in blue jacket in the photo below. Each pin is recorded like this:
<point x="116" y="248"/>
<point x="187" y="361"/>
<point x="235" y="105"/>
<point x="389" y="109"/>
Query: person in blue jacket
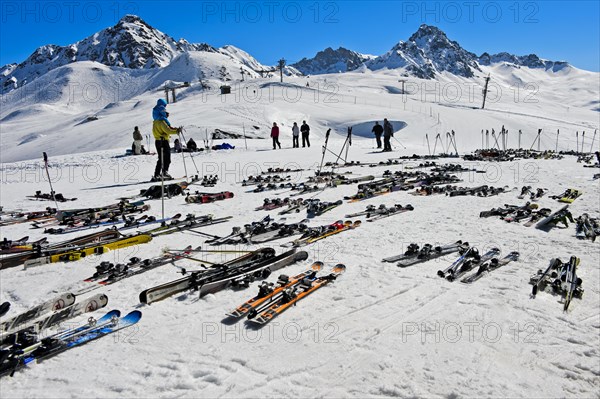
<point x="159" y="112"/>
<point x="162" y="130"/>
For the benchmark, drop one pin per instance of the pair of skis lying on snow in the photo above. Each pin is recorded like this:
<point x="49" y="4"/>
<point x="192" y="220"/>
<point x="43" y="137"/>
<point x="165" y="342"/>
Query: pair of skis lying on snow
<point x="469" y="260"/>
<point x="19" y="356"/>
<point x="273" y="299"/>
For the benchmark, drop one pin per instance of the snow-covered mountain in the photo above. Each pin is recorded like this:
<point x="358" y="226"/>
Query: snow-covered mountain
<point x="426" y="53"/>
<point x="130" y="44"/>
<point x="332" y="61"/>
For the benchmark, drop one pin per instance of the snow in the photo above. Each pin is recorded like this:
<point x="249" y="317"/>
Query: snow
<point x="367" y="334"/>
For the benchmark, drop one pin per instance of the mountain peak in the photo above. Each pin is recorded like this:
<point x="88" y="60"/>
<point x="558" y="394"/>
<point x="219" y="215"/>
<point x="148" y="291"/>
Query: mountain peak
<point x="331" y="61"/>
<point x="428" y="31"/>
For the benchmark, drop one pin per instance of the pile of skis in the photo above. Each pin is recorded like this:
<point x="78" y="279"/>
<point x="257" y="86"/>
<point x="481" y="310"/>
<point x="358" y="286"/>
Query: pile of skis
<point x="258" y="232"/>
<point x="560" y="279"/>
<point x="24" y="346"/>
<point x="415" y="254"/>
<point x="568" y="196"/>
<point x="431" y="190"/>
<point x="109" y="273"/>
<point x="273" y="203"/>
<point x="480" y="191"/>
<point x="377" y="188"/>
<point x="314" y="234"/>
<point x="274" y="298"/>
<point x="16" y="217"/>
<point x="316" y="207"/>
<point x="20" y="245"/>
<point x="516" y="213"/>
<point x="469" y="260"/>
<point x="205" y="198"/>
<point x="271" y="171"/>
<point x="481" y="264"/>
<point x="208" y="181"/>
<point x="122" y="223"/>
<point x="454" y="168"/>
<point x="91" y="217"/>
<point x="74" y="249"/>
<point x="534" y="195"/>
<point x="587" y="228"/>
<point x="264" y="180"/>
<point x="39" y="196"/>
<point x="382" y="211"/>
<point x="561" y="217"/>
<point x="237" y="273"/>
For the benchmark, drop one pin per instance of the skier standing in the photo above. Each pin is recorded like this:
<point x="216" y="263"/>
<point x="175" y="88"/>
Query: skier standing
<point x="305" y="129"/>
<point x="295" y="135"/>
<point x="162" y="130"/>
<point x="378" y="131"/>
<point x="275" y="136"/>
<point x="388" y="132"/>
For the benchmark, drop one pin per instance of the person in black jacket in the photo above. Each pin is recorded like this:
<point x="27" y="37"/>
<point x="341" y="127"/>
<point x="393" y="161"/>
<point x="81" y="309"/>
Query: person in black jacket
<point x="388" y="132"/>
<point x="378" y="131"/>
<point x="305" y="130"/>
<point x="191" y="145"/>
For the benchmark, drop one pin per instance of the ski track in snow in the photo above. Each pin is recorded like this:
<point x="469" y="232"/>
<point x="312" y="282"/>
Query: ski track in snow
<point x="351" y="338"/>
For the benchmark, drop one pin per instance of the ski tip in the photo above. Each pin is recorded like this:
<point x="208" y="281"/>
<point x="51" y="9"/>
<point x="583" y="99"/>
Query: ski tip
<point x="109" y="315"/>
<point x="132" y="317"/>
<point x="318" y="265"/>
<point x="300" y="256"/>
<point x="339" y="268"/>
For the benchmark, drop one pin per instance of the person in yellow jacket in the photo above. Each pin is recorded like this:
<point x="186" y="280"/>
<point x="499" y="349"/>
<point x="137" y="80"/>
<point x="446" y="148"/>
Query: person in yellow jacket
<point x="162" y="131"/>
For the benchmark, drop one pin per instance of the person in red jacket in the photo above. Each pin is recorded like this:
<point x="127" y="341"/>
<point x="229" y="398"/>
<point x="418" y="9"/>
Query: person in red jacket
<point x="275" y="136"/>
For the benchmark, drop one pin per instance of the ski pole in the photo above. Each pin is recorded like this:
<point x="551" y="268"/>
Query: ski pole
<point x="428" y="147"/>
<point x="593" y="139"/>
<point x="191" y="156"/>
<point x="399" y="142"/>
<point x="182" y="154"/>
<point x="324" y="149"/>
<point x="582" y="140"/>
<point x="49" y="181"/>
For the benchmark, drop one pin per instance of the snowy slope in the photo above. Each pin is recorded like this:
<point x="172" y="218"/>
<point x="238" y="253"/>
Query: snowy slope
<point x="377" y="331"/>
<point x="520" y="98"/>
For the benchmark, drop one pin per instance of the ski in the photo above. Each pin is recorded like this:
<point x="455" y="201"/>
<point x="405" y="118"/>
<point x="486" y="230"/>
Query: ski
<point x="15" y="361"/>
<point x="571" y="281"/>
<point x="267" y="291"/>
<point x="163" y="291"/>
<point x="468" y="265"/>
<point x="541" y="277"/>
<point x="205" y="198"/>
<point x="242" y="278"/>
<point x="291" y="296"/>
<point x="488" y="267"/>
<point x="396" y="209"/>
<point x="314" y="234"/>
<point x="468" y="252"/>
<point x="76" y="254"/>
<point x="316" y="208"/>
<point x="560" y="216"/>
<point x="60" y="302"/>
<point x="427" y="253"/>
<point x="45" y="321"/>
<point x="4" y="308"/>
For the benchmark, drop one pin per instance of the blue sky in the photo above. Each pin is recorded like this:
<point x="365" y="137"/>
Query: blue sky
<point x="270" y="30"/>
